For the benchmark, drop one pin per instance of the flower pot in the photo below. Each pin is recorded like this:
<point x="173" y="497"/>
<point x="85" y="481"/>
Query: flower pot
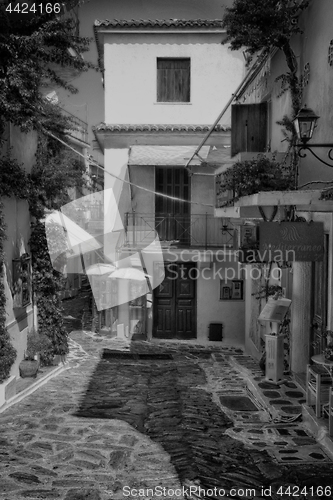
<point x="328" y="353"/>
<point x="28" y="368"/>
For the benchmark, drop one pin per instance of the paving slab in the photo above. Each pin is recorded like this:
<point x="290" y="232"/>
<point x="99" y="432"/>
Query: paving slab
<point x="152" y="420"/>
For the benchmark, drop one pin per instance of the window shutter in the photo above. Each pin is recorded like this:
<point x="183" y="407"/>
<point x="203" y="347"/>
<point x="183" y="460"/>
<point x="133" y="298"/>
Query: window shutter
<point x="173" y="80"/>
<point x="249" y="128"/>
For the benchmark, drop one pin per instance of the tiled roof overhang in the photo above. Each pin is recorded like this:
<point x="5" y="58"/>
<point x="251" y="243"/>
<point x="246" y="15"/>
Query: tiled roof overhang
<point x="180" y="26"/>
<point x="103" y="127"/>
<point x="125" y="135"/>
<point x="160" y="23"/>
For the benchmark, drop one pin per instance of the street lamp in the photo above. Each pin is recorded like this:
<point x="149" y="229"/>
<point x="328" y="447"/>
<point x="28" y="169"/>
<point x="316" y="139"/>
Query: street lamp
<point x="305" y="122"/>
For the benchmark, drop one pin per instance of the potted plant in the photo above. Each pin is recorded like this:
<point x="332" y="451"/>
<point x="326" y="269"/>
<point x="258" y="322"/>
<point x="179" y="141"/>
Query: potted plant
<point x="36" y="344"/>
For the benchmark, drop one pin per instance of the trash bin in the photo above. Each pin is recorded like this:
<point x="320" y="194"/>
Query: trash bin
<point x="215" y="332"/>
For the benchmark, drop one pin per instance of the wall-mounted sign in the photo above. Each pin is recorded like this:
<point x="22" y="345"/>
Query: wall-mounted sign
<point x="275" y="310"/>
<point x="291" y="241"/>
<point x="231" y="289"/>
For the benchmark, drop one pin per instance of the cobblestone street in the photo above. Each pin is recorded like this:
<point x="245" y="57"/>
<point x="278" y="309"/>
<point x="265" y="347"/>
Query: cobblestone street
<point x="154" y="415"/>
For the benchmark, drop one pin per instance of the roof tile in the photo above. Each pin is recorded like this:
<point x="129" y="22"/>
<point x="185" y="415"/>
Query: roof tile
<point x="103" y="127"/>
<point x="164" y="23"/>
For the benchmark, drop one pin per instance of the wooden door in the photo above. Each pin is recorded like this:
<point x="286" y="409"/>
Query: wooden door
<point x="319" y="303"/>
<point x="164" y="321"/>
<point x="249" y="128"/>
<point x="185" y="303"/>
<point x="174" y="303"/>
<point x="172" y="217"/>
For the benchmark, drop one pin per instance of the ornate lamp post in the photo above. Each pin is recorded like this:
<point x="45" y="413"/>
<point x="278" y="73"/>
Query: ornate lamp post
<point x="305" y="123"/>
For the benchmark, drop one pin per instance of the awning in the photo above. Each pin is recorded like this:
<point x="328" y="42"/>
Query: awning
<point x="176" y="156"/>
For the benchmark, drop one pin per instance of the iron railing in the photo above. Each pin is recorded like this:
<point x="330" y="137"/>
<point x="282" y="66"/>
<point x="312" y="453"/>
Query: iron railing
<point x="195" y="230"/>
<point x="80" y="127"/>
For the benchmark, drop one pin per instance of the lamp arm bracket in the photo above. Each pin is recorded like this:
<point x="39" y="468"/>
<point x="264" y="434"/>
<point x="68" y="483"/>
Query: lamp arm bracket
<point x="303" y="148"/>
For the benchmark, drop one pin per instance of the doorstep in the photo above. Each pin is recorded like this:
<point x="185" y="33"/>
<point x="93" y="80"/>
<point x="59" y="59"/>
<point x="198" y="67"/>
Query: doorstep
<point x="26" y="386"/>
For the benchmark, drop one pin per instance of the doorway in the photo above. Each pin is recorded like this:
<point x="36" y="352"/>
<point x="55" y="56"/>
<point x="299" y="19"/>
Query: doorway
<point x="175" y="303"/>
<point x="319" y="303"/>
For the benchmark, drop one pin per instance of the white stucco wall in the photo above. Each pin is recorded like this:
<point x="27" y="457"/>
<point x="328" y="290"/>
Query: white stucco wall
<point x="17" y="219"/>
<point x="116" y="169"/>
<point x="131" y="76"/>
<point x="210" y="309"/>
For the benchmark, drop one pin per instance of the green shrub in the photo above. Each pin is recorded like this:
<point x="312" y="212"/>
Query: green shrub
<point x="260" y="174"/>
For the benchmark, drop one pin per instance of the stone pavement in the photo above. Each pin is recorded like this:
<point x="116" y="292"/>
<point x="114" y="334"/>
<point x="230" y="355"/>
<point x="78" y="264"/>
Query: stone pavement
<point x="148" y="415"/>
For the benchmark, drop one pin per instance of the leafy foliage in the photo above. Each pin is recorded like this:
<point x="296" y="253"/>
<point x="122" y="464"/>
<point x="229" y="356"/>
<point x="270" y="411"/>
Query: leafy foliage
<point x="32" y="52"/>
<point x="56" y="170"/>
<point x="327" y="194"/>
<point x="36" y="343"/>
<point x="269" y="291"/>
<point x="13" y="179"/>
<point x="259" y="174"/>
<point x="7" y="351"/>
<point x="260" y="25"/>
<point x="48" y="283"/>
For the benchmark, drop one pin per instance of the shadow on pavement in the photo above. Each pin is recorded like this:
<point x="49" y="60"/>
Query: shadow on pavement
<point x="160" y="396"/>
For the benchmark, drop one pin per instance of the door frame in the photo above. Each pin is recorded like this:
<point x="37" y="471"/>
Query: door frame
<point x="319" y="321"/>
<point x="174" y="298"/>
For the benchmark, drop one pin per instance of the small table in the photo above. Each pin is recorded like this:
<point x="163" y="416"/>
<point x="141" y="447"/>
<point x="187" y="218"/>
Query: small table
<point x="320" y="359"/>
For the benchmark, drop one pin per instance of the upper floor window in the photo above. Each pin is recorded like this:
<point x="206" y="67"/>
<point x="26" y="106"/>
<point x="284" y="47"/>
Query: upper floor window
<point x="173" y="80"/>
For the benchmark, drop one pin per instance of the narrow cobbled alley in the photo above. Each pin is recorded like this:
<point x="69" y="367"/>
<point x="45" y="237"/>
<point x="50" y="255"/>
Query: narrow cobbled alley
<point x="154" y="421"/>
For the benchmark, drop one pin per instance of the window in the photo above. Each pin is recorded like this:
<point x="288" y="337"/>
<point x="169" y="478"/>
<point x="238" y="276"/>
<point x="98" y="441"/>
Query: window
<point x="173" y="80"/>
<point x="249" y="128"/>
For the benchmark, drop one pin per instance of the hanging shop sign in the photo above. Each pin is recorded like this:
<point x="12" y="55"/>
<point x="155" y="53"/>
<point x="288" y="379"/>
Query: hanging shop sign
<point x="283" y="242"/>
<point x="291" y="241"/>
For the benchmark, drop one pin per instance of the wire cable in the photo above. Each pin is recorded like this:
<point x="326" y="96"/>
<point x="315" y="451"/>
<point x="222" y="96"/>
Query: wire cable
<point x="95" y="164"/>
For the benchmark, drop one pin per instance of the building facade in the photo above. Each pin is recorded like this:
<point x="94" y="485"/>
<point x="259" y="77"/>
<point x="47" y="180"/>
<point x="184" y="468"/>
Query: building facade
<point x="163" y="80"/>
<point x="263" y="98"/>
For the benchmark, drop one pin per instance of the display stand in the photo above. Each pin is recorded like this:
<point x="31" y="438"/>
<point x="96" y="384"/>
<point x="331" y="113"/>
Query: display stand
<point x="273" y="314"/>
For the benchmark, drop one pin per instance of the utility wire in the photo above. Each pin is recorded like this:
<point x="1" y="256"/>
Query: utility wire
<point x="95" y="164"/>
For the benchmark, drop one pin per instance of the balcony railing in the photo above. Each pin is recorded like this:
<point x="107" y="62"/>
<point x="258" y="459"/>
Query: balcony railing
<point x="80" y="127"/>
<point x="195" y="230"/>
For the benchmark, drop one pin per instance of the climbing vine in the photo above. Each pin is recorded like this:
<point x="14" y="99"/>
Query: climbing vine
<point x="47" y="285"/>
<point x="13" y="182"/>
<point x="7" y="351"/>
<point x="260" y="26"/>
<point x="56" y="170"/>
<point x="33" y="52"/>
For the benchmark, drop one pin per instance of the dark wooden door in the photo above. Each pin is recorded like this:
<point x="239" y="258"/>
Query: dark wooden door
<point x="319" y="303"/>
<point x="172" y="217"/>
<point x="249" y="127"/>
<point x="174" y="303"/>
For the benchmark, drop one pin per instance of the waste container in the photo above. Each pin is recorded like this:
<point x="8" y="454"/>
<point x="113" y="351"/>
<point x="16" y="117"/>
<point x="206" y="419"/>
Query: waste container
<point x="215" y="332"/>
